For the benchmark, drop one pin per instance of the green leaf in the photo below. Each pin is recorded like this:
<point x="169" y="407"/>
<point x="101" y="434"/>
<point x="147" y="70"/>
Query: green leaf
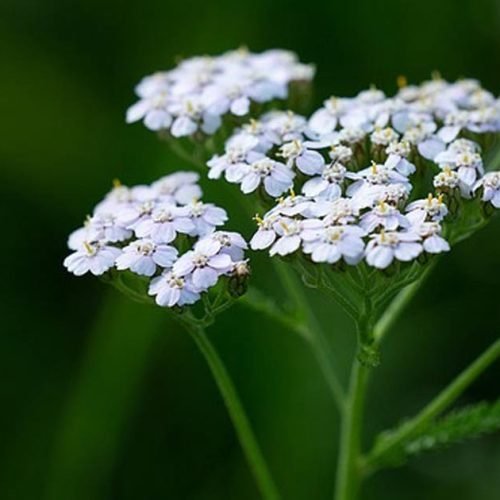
<point x="458" y="426"/>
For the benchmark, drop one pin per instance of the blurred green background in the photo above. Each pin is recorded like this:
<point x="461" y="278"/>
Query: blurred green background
<point x="104" y="399"/>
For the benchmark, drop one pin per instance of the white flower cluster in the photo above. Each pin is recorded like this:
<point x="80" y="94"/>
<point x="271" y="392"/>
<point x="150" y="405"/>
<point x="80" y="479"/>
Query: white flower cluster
<point x="200" y="91"/>
<point x="371" y="224"/>
<point x="355" y="161"/>
<point x="144" y="228"/>
<point x="419" y="122"/>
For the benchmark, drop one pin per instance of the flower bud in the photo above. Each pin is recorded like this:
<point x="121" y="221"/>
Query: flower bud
<point x="238" y="280"/>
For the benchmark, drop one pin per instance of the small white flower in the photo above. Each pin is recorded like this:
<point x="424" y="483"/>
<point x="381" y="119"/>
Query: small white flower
<point x="135" y="213"/>
<point x="92" y="256"/>
<point x="231" y="243"/>
<point x="375" y="175"/>
<point x="104" y="226"/>
<point x="462" y="155"/>
<point x="331" y="243"/>
<point x="179" y="187"/>
<point x="418" y="133"/>
<point x="490" y="183"/>
<point x="205" y="263"/>
<point x="394" y="194"/>
<point x="328" y="184"/>
<point x="351" y="135"/>
<point x="433" y="208"/>
<point x="206" y="217"/>
<point x="143" y="256"/>
<point x="152" y="110"/>
<point x="286" y="125"/>
<point x="433" y="242"/>
<point x="308" y="161"/>
<point x="383" y="248"/>
<point x="77" y="238"/>
<point x="340" y="153"/>
<point x="401" y="149"/>
<point x="370" y="96"/>
<point x="384" y="136"/>
<point x="171" y="290"/>
<point x="238" y="149"/>
<point x="325" y="120"/>
<point x="385" y="216"/>
<point x="339" y="212"/>
<point x="165" y="222"/>
<point x="447" y="179"/>
<point x="276" y="177"/>
<point x="265" y="235"/>
<point x="400" y="165"/>
<point x="292" y="205"/>
<point x="289" y="238"/>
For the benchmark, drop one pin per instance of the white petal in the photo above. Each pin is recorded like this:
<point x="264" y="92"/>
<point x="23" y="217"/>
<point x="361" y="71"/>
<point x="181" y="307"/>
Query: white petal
<point x="262" y="239"/>
<point x="285" y="245"/>
<point x="380" y="257"/>
<point x="436" y="244"/>
<point x="448" y="134"/>
<point x="205" y="277"/>
<point x="250" y="183"/>
<point x="326" y="253"/>
<point x="430" y="148"/>
<point x="407" y="251"/>
<point x="220" y="262"/>
<point x="310" y="162"/>
<point x="240" y="106"/>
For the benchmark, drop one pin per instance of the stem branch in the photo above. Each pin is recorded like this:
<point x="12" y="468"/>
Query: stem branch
<point x="237" y="414"/>
<point x="437" y="406"/>
<point x="316" y="336"/>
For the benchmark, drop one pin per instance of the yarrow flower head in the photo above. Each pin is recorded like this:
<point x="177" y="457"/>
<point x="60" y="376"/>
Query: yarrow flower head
<point x="162" y="232"/>
<point x="199" y="92"/>
<point x="361" y="164"/>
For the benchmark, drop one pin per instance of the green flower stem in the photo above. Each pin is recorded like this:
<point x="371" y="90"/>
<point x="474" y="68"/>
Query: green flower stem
<point x="294" y="289"/>
<point x="437" y="406"/>
<point x="395" y="308"/>
<point x="237" y="413"/>
<point x="260" y="303"/>
<point x="315" y="333"/>
<point x="348" y="478"/>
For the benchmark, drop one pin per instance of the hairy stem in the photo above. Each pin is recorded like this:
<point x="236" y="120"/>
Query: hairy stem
<point x="237" y="414"/>
<point x="437" y="406"/>
<point x="348" y="478"/>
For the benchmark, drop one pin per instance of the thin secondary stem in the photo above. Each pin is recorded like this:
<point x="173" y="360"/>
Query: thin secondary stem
<point x="238" y="416"/>
<point x="396" y="307"/>
<point x="316" y="335"/>
<point x="348" y="478"/>
<point x="437" y="406"/>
